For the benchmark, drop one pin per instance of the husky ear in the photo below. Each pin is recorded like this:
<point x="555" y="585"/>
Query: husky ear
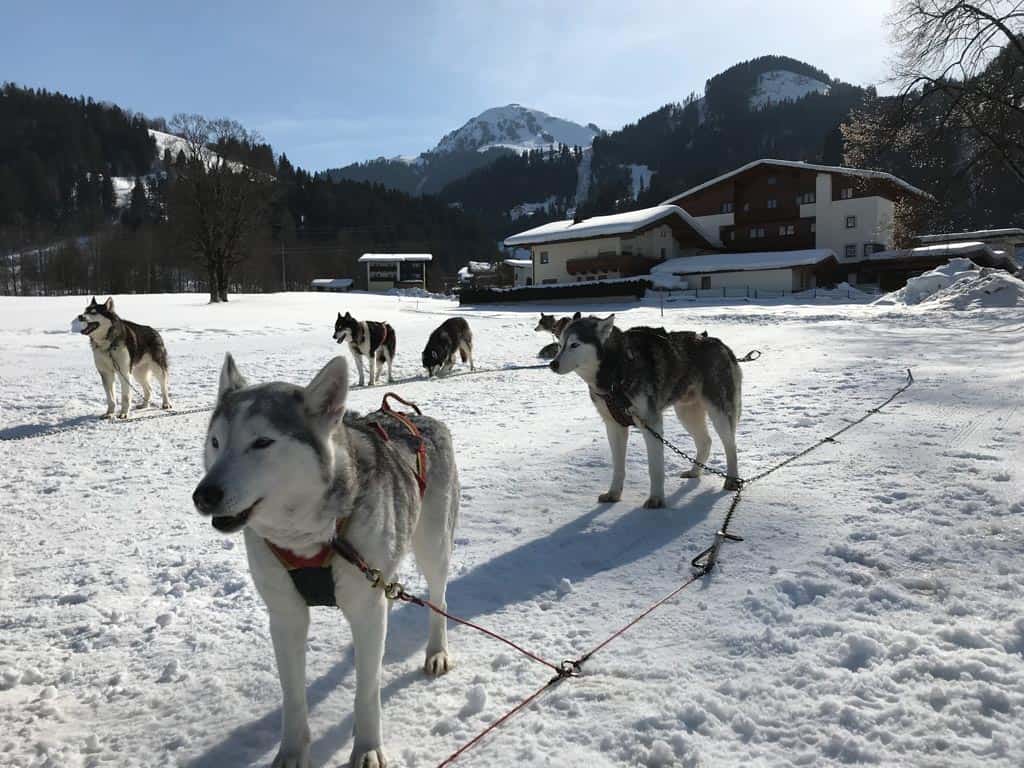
<point x="109" y="304"/>
<point x="339" y="315"/>
<point x="577" y="316"/>
<point x="604" y="327"/>
<point x="93" y="302"/>
<point x="327" y="392"/>
<point x="230" y="378"/>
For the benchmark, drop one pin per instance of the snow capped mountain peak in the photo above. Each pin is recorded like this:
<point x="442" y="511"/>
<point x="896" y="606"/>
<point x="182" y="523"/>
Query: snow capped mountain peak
<point x="779" y="85"/>
<point x="516" y="127"/>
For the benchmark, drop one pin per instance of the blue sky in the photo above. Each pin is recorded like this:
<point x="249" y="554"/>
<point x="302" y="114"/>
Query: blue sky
<point x="335" y="82"/>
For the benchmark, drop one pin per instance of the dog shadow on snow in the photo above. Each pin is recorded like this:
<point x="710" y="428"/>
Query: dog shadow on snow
<point x="577" y="550"/>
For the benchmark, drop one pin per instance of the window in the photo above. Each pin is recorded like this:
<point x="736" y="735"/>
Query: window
<point x="705" y="282"/>
<point x="664" y="232"/>
<point x="870" y="248"/>
<point x="851" y="252"/>
<point x="544" y="258"/>
<point x="805" y="198"/>
<point x="773" y="203"/>
<point x="756" y="232"/>
<point x="814" y="227"/>
<point x="787" y="229"/>
<point x="771" y="179"/>
<point x="529" y="281"/>
<point x="846" y="193"/>
<point x="746" y="207"/>
<point x="727" y="207"/>
<point x="732" y="234"/>
<point x="549" y="281"/>
<point x="851" y="222"/>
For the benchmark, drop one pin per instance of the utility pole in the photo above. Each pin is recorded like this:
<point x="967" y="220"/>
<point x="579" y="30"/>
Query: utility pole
<point x="284" y="280"/>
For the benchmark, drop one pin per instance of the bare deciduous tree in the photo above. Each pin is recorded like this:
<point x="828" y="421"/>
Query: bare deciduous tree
<point x="960" y="67"/>
<point x="218" y="204"/>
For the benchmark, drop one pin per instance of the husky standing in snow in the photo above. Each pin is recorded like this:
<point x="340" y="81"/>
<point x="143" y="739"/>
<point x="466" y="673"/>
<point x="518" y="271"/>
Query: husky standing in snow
<point x="367" y="338"/>
<point x="286" y="465"/>
<point x="643" y="371"/>
<point x="449" y="337"/>
<point x="122" y="348"/>
<point x="554" y="326"/>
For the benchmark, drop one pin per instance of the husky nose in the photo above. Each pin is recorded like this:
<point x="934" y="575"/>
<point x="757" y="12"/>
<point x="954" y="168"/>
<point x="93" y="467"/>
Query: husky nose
<point x="207" y="498"/>
<point x="554" y="366"/>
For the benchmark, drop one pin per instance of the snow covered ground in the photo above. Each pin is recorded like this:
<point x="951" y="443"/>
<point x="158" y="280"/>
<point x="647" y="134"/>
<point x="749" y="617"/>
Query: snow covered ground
<point x="873" y="614"/>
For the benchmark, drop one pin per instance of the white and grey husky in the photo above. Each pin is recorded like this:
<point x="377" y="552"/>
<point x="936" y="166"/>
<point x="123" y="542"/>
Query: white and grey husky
<point x="643" y="371"/>
<point x="286" y="465"/>
<point x="122" y="348"/>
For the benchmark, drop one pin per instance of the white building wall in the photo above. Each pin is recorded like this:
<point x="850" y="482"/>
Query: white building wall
<point x="874" y="217"/>
<point x="763" y="279"/>
<point x="559" y="254"/>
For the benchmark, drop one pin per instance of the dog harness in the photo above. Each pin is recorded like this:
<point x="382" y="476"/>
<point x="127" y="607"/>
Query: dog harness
<point x="313" y="576"/>
<point x="618" y="407"/>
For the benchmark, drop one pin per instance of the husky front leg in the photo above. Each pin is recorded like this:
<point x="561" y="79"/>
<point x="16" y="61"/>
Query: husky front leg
<point x="655" y="462"/>
<point x="288" y="631"/>
<point x="359" y="365"/>
<point x="369" y="620"/>
<point x="107" y="377"/>
<point x="122" y="364"/>
<point x="618" y="436"/>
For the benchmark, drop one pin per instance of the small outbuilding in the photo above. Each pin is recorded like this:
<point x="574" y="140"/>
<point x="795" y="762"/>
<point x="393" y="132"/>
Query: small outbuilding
<point x="331" y="284"/>
<point x="385" y="271"/>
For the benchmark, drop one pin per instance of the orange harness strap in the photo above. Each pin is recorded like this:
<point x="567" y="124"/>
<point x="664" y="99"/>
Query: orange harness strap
<point x="421" y="450"/>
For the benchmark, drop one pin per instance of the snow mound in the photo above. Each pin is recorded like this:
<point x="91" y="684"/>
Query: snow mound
<point x="516" y="127"/>
<point x="780" y="85"/>
<point x="959" y="284"/>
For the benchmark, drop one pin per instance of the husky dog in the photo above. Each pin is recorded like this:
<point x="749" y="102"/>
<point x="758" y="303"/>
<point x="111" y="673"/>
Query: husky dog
<point x="642" y="371"/>
<point x="286" y="465"/>
<point x="549" y="324"/>
<point x="367" y="338"/>
<point x="449" y="337"/>
<point x="122" y="348"/>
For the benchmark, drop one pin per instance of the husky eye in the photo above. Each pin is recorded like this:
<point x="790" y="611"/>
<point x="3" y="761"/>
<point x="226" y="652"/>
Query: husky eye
<point x="574" y="345"/>
<point x="214" y="442"/>
<point x="260" y="443"/>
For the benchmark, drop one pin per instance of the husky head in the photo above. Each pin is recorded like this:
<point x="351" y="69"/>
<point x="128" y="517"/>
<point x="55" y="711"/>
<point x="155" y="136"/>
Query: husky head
<point x="269" y="452"/>
<point x="95" y="317"/>
<point x="547" y="323"/>
<point x="433" y="358"/>
<point x="346" y="328"/>
<point x="582" y="343"/>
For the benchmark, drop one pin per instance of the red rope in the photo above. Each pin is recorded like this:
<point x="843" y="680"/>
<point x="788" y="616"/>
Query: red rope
<point x="522" y="705"/>
<point x="427" y="604"/>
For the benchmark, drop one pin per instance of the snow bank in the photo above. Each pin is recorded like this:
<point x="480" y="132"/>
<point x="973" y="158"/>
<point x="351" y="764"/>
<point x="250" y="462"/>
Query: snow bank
<point x="959" y="284"/>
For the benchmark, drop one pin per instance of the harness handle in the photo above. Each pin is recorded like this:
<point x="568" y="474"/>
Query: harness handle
<point x="385" y="407"/>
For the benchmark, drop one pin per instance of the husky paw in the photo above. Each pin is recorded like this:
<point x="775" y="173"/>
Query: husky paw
<point x="732" y="484"/>
<point x="654" y="502"/>
<point x="292" y="759"/>
<point x="122" y="415"/>
<point x="166" y="406"/>
<point x="610" y="497"/>
<point x="372" y="759"/>
<point x="437" y="663"/>
<point x="692" y="472"/>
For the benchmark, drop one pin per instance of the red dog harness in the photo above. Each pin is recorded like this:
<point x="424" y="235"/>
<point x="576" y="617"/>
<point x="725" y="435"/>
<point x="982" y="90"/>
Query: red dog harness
<point x="312" y="576"/>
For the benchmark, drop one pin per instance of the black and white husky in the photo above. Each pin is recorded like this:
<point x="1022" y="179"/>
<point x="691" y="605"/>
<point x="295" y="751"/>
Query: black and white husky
<point x="122" y="348"/>
<point x="643" y="371"/>
<point x="286" y="465"/>
<point x="367" y="338"/>
<point x="449" y="337"/>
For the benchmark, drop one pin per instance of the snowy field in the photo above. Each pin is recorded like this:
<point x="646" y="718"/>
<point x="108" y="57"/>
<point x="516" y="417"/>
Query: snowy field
<point x="873" y="615"/>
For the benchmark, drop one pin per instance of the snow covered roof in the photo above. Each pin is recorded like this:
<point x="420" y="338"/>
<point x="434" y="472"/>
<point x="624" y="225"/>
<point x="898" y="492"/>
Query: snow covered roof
<point x="742" y="262"/>
<point x="614" y="224"/>
<point x="861" y="172"/>
<point x="976" y="250"/>
<point x="978" y="234"/>
<point x="331" y="282"/>
<point x="395" y="257"/>
<point x="520" y="263"/>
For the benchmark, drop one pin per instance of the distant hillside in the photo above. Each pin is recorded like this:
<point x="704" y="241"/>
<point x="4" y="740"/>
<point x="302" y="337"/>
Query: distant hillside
<point x="493" y="134"/>
<point x="59" y="156"/>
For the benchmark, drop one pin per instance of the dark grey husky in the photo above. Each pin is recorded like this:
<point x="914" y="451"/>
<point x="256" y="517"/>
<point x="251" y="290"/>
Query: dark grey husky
<point x="122" y="348"/>
<point x="449" y="337"/>
<point x="643" y="371"/>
